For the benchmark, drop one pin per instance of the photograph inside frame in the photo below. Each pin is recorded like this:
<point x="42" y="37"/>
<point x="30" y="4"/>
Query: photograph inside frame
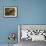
<point x="10" y="11"/>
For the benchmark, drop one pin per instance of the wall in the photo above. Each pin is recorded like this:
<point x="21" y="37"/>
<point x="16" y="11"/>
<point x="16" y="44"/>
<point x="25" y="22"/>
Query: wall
<point x="29" y="12"/>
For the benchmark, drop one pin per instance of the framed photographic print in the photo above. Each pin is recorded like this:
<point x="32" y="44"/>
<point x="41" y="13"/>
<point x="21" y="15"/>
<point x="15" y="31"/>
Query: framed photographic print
<point x="10" y="11"/>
